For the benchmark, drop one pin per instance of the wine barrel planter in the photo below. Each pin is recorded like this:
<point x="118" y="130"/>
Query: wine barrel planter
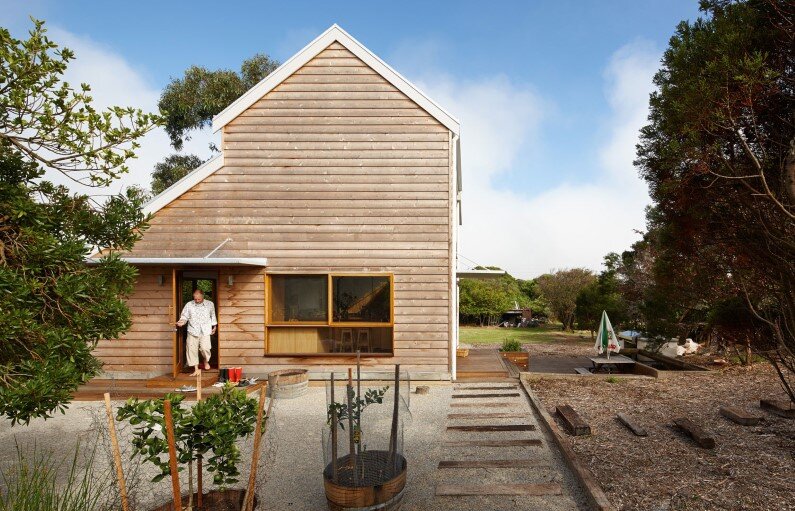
<point x="291" y="383"/>
<point x="216" y="500"/>
<point x="380" y="489"/>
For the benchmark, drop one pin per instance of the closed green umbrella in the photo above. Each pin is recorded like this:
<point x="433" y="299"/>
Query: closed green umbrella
<point x="606" y="340"/>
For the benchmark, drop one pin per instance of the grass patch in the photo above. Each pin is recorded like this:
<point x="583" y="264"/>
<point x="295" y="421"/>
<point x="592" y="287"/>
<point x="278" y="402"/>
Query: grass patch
<point x="540" y="334"/>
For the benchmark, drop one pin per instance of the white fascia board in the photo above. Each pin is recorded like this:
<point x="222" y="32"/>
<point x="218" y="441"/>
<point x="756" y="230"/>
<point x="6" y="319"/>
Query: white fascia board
<point x="233" y="261"/>
<point x="183" y="185"/>
<point x="334" y="33"/>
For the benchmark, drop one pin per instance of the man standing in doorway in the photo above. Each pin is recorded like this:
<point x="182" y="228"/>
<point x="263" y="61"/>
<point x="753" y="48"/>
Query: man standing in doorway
<point x="200" y="317"/>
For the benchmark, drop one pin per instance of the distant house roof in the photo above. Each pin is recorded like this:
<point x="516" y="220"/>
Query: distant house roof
<point x="480" y="274"/>
<point x="334" y="33"/>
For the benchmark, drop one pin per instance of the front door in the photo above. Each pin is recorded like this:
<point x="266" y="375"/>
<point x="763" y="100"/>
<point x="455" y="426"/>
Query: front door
<point x="187" y="282"/>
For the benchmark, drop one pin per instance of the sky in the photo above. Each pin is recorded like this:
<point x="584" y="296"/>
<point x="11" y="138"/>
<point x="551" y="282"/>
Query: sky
<point x="550" y="95"/>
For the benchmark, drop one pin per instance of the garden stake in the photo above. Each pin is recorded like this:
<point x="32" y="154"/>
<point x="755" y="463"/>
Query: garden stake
<point x="395" y="411"/>
<point x="359" y="403"/>
<point x="172" y="455"/>
<point x="116" y="453"/>
<point x="199" y="485"/>
<point x="248" y="501"/>
<point x="359" y="406"/>
<point x="333" y="433"/>
<point x="351" y="445"/>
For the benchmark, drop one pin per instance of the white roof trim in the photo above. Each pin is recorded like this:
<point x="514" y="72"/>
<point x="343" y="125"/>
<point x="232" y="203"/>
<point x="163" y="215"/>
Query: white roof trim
<point x="190" y="180"/>
<point x="334" y="33"/>
<point x="252" y="261"/>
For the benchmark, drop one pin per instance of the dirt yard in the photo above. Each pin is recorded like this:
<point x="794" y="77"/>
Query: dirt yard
<point x="752" y="467"/>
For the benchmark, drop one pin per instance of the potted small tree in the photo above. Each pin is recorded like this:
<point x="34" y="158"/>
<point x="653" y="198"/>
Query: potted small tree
<point x="207" y="432"/>
<point x="364" y="465"/>
<point x="511" y="350"/>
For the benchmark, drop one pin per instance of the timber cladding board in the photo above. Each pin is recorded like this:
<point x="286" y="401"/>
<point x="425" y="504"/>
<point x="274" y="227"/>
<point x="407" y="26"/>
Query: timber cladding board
<point x="334" y="170"/>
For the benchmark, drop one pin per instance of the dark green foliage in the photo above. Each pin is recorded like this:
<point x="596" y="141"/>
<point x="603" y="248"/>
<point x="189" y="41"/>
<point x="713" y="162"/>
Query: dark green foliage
<point x="484" y="301"/>
<point x="54" y="307"/>
<point x="173" y="168"/>
<point x="190" y="102"/>
<point x="719" y="157"/>
<point x="602" y="294"/>
<point x="511" y="345"/>
<point x="208" y="431"/>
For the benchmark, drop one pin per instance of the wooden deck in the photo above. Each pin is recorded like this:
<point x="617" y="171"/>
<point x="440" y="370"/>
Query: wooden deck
<point x="482" y="365"/>
<point x="153" y="388"/>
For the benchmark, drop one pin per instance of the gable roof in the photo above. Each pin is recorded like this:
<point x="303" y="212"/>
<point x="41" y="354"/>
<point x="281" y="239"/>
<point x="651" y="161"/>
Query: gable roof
<point x="334" y="33"/>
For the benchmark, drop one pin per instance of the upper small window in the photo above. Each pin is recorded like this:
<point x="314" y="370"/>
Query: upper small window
<point x="299" y="298"/>
<point x="361" y="299"/>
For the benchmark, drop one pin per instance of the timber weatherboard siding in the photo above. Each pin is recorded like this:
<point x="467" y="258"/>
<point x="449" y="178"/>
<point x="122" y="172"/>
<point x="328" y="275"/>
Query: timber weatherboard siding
<point x="334" y="170"/>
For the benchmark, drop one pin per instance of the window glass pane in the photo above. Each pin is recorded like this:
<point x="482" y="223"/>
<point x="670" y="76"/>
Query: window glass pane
<point x="361" y="299"/>
<point x="299" y="298"/>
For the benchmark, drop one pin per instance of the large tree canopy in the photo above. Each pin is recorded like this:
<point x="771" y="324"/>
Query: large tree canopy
<point x="560" y="290"/>
<point x="54" y="306"/>
<point x="191" y="102"/>
<point x="719" y="156"/>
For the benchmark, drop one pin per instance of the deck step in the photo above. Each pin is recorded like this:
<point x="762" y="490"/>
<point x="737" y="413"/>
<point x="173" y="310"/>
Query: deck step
<point x="493" y="387"/>
<point x="481" y="405"/>
<point x="483" y="396"/>
<point x="493" y="415"/>
<point x="465" y="490"/>
<point x="493" y="428"/>
<point x="516" y="463"/>
<point x="519" y="442"/>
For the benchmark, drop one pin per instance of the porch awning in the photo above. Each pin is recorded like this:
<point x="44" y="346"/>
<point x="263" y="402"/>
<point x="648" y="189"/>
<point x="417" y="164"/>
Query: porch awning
<point x="194" y="261"/>
<point x="480" y="274"/>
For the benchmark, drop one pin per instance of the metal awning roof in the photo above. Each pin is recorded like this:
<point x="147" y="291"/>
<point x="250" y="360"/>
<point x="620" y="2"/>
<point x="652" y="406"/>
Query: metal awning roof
<point x="205" y="261"/>
<point x="480" y="274"/>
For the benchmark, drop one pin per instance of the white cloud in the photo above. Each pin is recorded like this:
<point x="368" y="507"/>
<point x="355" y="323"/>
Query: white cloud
<point x="114" y="81"/>
<point x="572" y="224"/>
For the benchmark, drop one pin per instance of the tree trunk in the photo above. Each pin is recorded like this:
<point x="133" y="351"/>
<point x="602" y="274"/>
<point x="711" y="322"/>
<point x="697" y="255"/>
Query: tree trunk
<point x="789" y="171"/>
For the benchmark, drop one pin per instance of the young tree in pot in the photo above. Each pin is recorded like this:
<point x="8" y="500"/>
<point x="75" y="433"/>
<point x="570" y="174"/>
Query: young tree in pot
<point x="208" y="431"/>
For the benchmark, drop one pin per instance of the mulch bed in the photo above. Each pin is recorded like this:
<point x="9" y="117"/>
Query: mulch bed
<point x="751" y="468"/>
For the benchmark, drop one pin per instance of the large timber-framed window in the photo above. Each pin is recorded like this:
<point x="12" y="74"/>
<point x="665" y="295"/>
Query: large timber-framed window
<point x="329" y="313"/>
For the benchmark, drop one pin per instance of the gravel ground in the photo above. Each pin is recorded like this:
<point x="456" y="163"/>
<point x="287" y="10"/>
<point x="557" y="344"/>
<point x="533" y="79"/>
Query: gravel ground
<point x="291" y="463"/>
<point x="751" y="468"/>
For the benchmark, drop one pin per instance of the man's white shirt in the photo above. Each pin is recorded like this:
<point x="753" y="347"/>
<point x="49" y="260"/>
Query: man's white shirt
<point x="200" y="317"/>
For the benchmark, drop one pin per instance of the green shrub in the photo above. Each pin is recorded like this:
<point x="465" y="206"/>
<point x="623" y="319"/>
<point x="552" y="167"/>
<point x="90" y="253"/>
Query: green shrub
<point x="612" y="379"/>
<point x="511" y="345"/>
<point x="208" y="431"/>
<point x="31" y="484"/>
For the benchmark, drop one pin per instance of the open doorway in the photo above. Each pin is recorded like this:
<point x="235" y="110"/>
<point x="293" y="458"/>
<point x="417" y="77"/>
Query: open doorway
<point x="187" y="282"/>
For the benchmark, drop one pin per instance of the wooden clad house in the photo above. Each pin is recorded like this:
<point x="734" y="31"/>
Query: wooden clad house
<point x="326" y="224"/>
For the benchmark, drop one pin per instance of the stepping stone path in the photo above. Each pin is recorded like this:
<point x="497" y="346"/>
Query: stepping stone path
<point x="495" y="455"/>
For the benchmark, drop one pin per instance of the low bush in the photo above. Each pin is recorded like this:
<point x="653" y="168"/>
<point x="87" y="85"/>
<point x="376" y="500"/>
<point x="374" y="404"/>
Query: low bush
<point x="511" y="345"/>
